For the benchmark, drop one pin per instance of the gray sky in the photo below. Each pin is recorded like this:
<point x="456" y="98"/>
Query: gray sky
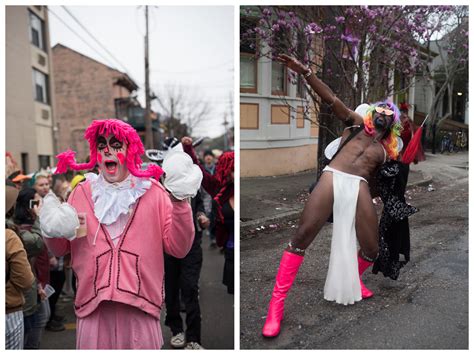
<point x="190" y="47"/>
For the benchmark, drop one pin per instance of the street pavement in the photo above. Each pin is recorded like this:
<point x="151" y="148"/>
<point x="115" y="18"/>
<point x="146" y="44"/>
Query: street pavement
<point x="426" y="308"/>
<point x="217" y="310"/>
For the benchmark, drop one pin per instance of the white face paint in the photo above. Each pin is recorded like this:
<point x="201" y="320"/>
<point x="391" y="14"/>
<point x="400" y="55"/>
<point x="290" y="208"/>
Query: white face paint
<point x="111" y="156"/>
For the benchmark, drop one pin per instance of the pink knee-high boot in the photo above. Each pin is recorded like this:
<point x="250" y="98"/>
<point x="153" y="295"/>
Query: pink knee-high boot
<point x="289" y="265"/>
<point x="363" y="265"/>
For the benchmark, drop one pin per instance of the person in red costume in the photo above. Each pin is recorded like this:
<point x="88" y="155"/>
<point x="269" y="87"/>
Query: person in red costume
<point x="409" y="129"/>
<point x="221" y="187"/>
<point x="117" y="225"/>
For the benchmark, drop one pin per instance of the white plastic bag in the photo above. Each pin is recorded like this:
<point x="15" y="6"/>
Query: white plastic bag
<point x="58" y="219"/>
<point x="183" y="178"/>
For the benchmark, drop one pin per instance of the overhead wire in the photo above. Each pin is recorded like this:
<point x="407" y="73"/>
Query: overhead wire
<point x="97" y="41"/>
<point x="217" y="66"/>
<point x="80" y="37"/>
<point x="220" y="84"/>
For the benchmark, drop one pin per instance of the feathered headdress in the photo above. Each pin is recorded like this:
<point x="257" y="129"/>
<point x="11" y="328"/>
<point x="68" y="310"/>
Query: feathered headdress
<point x="124" y="133"/>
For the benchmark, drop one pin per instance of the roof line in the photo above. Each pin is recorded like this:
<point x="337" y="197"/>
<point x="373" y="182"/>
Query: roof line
<point x="96" y="61"/>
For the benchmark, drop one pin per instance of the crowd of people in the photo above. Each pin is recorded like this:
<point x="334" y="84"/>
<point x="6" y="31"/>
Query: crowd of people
<point x="37" y="302"/>
<point x="49" y="245"/>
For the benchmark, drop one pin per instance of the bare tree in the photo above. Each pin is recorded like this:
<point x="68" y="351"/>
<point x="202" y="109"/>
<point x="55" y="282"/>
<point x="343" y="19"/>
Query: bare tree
<point x="181" y="110"/>
<point x="451" y="61"/>
<point x="364" y="53"/>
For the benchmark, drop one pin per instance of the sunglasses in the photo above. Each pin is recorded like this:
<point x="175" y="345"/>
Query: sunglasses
<point x="384" y="111"/>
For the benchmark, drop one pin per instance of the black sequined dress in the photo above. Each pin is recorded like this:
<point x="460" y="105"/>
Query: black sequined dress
<point x="394" y="232"/>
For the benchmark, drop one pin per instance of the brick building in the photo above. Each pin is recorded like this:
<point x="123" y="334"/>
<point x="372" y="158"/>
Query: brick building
<point x="86" y="89"/>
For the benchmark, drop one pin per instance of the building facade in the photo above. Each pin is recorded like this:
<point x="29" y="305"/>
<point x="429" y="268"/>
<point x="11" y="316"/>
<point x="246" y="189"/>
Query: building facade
<point x="85" y="90"/>
<point x="452" y="108"/>
<point x="278" y="131"/>
<point x="29" y="97"/>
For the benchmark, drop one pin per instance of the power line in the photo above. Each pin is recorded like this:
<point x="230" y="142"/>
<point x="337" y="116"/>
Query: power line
<point x="217" y="66"/>
<point x="227" y="84"/>
<point x="97" y="41"/>
<point x="81" y="38"/>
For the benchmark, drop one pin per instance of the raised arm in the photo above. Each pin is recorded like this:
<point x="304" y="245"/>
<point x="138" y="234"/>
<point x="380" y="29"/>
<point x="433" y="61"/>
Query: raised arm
<point x="347" y="116"/>
<point x="178" y="232"/>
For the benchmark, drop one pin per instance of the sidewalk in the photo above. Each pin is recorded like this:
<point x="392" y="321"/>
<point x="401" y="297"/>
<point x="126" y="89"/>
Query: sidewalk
<point x="266" y="200"/>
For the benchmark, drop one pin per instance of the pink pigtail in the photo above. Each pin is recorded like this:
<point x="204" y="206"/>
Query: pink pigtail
<point x="152" y="170"/>
<point x="134" y="162"/>
<point x="67" y="160"/>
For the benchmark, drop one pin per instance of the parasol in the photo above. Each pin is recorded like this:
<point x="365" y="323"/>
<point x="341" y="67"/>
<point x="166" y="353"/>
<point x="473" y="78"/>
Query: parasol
<point x="414" y="145"/>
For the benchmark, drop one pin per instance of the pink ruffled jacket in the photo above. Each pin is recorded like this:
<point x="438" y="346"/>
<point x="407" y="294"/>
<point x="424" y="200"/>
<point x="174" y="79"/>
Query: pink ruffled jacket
<point x="133" y="271"/>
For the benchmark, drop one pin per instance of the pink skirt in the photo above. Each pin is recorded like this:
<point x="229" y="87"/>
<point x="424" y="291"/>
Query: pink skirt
<point x="115" y="325"/>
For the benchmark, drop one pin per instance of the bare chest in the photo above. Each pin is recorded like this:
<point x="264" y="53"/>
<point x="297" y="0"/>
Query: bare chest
<point x="366" y="147"/>
<point x="362" y="155"/>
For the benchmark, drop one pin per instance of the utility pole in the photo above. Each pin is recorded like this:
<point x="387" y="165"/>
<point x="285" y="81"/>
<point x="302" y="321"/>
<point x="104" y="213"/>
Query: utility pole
<point x="171" y="120"/>
<point x="231" y="111"/>
<point x="231" y="106"/>
<point x="148" y="130"/>
<point x="226" y="143"/>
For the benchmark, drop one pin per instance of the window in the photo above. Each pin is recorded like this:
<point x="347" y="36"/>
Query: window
<point x="301" y="50"/>
<point x="121" y="107"/>
<point x="36" y="31"/>
<point x="44" y="161"/>
<point x="248" y="73"/>
<point x="40" y="86"/>
<point x="278" y="79"/>
<point x="248" y="61"/>
<point x="300" y="87"/>
<point x="24" y="163"/>
<point x="400" y="87"/>
<point x="282" y="40"/>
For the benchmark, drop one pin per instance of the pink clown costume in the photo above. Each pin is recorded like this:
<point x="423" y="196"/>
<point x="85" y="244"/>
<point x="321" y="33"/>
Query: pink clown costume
<point x="119" y="262"/>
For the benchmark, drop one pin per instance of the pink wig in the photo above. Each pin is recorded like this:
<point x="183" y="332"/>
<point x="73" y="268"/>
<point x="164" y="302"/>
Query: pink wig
<point x="124" y="133"/>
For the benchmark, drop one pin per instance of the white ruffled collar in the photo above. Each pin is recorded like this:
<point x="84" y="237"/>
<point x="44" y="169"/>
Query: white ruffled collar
<point x="113" y="199"/>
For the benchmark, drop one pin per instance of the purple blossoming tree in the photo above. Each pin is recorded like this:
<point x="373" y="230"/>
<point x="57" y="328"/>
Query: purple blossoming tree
<point x="364" y="53"/>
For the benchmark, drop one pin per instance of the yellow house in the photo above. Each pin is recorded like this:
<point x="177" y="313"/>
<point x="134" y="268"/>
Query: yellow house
<point x="275" y="137"/>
